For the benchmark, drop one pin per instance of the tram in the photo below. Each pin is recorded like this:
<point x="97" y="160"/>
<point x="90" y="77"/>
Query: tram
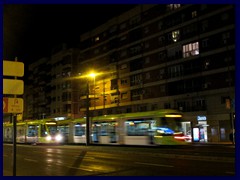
<point x="161" y="127"/>
<point x="33" y="132"/>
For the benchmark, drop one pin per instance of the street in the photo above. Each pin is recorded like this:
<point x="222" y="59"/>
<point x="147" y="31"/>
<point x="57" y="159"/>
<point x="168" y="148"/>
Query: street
<point x="119" y="161"/>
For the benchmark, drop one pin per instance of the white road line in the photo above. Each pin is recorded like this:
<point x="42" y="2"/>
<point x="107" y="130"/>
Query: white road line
<point x="228" y="172"/>
<point x="84" y="157"/>
<point x="32" y="160"/>
<point x="150" y="164"/>
<point x="85" y="169"/>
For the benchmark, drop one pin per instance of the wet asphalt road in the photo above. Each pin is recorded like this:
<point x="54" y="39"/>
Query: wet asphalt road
<point x="81" y="160"/>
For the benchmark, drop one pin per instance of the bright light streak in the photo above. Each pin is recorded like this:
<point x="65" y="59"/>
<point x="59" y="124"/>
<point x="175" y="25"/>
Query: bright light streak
<point x="173" y="115"/>
<point x="92" y="75"/>
<point x="58" y="137"/>
<point x="48" y="138"/>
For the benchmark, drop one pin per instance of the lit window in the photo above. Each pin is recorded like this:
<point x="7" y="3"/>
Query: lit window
<point x="96" y="39"/>
<point x="191" y="49"/>
<point x="194" y="14"/>
<point x="175" y="35"/>
<point x="124" y="95"/>
<point x="174" y="6"/>
<point x="124" y="81"/>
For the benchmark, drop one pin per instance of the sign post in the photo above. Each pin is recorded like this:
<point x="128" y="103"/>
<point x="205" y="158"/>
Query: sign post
<point x="13" y="105"/>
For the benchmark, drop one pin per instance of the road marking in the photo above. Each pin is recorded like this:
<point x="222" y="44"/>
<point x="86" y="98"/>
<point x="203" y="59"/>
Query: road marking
<point x="162" y="165"/>
<point x="85" y="169"/>
<point x="228" y="172"/>
<point x="85" y="157"/>
<point x="32" y="160"/>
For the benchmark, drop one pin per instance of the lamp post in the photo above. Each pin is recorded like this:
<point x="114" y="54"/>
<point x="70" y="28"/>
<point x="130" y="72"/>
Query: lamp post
<point x="87" y="110"/>
<point x="87" y="115"/>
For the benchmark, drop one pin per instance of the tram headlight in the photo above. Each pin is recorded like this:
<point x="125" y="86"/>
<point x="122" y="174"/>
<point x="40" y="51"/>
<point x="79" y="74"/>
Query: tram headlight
<point x="48" y="138"/>
<point x="58" y="137"/>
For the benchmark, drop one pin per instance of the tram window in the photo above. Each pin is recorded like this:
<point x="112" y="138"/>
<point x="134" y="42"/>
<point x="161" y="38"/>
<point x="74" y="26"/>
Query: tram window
<point x="79" y="130"/>
<point x="172" y="123"/>
<point x="43" y="130"/>
<point x="164" y="122"/>
<point x="52" y="130"/>
<point x="64" y="129"/>
<point x="138" y="127"/>
<point x="32" y="131"/>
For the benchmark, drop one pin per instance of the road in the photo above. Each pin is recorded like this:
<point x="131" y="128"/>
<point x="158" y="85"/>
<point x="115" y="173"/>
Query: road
<point x="120" y="161"/>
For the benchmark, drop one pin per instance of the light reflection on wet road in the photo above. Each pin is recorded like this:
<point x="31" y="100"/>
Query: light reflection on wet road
<point x="78" y="161"/>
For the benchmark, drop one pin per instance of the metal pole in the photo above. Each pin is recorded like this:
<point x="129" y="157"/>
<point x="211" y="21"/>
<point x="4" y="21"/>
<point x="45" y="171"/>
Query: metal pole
<point x="232" y="122"/>
<point x="87" y="115"/>
<point x="14" y="117"/>
<point x="94" y="93"/>
<point x="14" y="120"/>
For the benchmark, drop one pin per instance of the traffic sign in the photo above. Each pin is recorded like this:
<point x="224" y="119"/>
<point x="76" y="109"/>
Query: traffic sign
<point x="13" y="68"/>
<point x="13" y="86"/>
<point x="12" y="105"/>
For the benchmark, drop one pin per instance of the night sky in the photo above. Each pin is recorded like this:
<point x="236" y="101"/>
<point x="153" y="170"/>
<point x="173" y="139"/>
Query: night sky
<point x="31" y="31"/>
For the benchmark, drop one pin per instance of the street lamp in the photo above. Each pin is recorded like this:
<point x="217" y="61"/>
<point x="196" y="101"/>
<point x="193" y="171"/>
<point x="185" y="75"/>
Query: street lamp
<point x="92" y="75"/>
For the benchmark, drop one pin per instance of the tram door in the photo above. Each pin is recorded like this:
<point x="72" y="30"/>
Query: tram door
<point x="96" y="130"/>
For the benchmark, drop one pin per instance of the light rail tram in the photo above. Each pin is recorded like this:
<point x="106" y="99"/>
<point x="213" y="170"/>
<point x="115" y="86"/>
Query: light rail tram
<point x="160" y="127"/>
<point x="33" y="132"/>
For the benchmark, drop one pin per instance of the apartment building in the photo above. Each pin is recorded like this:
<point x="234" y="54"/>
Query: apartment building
<point x="49" y="93"/>
<point x="36" y="90"/>
<point x="179" y="56"/>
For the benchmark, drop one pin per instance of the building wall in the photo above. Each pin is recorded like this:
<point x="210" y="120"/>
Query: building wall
<point x="151" y="57"/>
<point x="164" y="56"/>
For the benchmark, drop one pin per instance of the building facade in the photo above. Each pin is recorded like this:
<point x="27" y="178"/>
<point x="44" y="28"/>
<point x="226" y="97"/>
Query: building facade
<point x="159" y="57"/>
<point x="49" y="90"/>
<point x="165" y="56"/>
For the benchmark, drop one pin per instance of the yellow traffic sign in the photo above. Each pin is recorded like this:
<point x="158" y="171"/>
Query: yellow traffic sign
<point x="13" y="68"/>
<point x="12" y="105"/>
<point x="13" y="86"/>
